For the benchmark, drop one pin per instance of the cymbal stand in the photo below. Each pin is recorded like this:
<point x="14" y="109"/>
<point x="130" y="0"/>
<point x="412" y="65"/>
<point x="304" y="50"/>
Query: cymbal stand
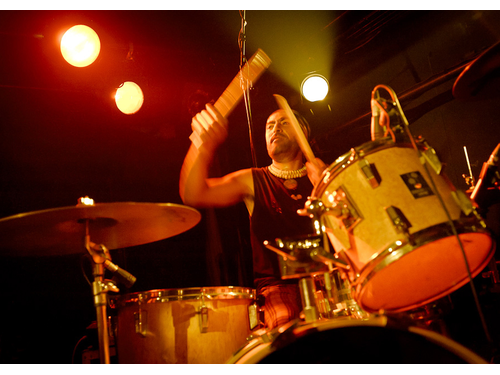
<point x="100" y="288"/>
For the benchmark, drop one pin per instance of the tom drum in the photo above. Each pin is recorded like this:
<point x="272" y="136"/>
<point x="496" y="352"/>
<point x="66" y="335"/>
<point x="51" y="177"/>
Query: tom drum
<point x="385" y="216"/>
<point x="193" y="325"/>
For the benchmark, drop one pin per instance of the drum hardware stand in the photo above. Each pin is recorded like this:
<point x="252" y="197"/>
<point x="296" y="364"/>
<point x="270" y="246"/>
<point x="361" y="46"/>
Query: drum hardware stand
<point x="493" y="274"/>
<point x="100" y="287"/>
<point x="304" y="254"/>
<point x="307" y="297"/>
<point x="469" y="180"/>
<point x="306" y="258"/>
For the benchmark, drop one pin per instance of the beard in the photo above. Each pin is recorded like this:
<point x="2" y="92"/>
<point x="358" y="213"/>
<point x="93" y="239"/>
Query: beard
<point x="282" y="148"/>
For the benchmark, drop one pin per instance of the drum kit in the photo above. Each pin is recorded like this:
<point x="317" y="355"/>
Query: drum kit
<point x="393" y="235"/>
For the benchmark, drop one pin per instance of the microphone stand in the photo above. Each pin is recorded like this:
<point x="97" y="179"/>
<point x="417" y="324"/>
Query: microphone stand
<point x="242" y="38"/>
<point x="100" y="287"/>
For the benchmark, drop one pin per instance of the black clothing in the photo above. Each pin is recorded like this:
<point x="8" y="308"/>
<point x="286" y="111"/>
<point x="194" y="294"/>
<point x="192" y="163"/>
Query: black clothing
<point x="275" y="216"/>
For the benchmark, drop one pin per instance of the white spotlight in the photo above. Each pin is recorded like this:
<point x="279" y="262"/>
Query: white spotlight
<point x="80" y="46"/>
<point x="314" y="87"/>
<point x="129" y="98"/>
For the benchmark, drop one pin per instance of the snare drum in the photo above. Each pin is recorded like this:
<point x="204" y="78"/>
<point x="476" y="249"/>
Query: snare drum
<point x="383" y="216"/>
<point x="193" y="325"/>
<point x="344" y="341"/>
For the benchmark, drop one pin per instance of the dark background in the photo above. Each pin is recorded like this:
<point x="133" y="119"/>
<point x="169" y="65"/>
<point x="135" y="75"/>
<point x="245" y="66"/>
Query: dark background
<point x="62" y="137"/>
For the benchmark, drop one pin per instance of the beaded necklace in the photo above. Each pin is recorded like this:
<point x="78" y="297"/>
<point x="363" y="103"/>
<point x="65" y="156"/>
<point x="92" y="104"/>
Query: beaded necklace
<point x="289" y="176"/>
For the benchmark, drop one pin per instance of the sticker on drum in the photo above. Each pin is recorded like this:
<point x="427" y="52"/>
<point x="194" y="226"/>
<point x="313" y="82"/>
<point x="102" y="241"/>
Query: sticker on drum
<point x="345" y="341"/>
<point x="183" y="326"/>
<point x="384" y="217"/>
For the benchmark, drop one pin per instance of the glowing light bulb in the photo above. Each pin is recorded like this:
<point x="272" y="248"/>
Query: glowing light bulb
<point x="314" y="88"/>
<point x="85" y="201"/>
<point x="80" y="46"/>
<point x="129" y="98"/>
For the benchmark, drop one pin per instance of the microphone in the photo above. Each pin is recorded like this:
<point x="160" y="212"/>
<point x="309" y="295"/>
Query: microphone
<point x="488" y="178"/>
<point x="376" y="130"/>
<point x="379" y="117"/>
<point x="100" y="254"/>
<point x="121" y="275"/>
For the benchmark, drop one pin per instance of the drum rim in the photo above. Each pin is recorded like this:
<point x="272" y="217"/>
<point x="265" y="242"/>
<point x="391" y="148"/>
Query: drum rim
<point x="303" y="329"/>
<point x="383" y="321"/>
<point x="395" y="250"/>
<point x="183" y="294"/>
<point x="455" y="347"/>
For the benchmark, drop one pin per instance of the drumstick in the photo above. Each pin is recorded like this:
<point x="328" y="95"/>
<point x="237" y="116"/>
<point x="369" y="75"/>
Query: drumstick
<point x="231" y="96"/>
<point x="299" y="134"/>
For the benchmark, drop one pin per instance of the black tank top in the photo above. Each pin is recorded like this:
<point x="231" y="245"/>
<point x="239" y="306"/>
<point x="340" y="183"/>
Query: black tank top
<point x="275" y="216"/>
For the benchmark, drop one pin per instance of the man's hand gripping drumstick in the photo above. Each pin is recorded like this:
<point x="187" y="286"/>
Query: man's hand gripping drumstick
<point x="315" y="166"/>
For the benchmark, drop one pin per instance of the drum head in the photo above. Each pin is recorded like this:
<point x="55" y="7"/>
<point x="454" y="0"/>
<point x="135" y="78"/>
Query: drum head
<point x="426" y="274"/>
<point x="360" y="342"/>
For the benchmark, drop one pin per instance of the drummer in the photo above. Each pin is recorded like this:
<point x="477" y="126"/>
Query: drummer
<point x="272" y="195"/>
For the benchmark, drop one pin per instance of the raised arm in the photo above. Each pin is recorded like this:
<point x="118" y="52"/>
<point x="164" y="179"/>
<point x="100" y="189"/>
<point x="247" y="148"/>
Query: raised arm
<point x="195" y="187"/>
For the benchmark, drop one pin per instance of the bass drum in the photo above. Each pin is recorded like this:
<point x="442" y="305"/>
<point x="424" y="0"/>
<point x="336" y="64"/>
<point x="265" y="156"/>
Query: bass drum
<point x="182" y="326"/>
<point x="345" y="341"/>
<point x="384" y="215"/>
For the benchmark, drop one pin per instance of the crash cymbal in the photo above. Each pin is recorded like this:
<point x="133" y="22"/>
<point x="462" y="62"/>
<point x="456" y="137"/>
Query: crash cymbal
<point x="480" y="79"/>
<point x="61" y="231"/>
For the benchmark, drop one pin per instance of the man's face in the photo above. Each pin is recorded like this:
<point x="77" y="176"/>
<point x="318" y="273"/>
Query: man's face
<point x="280" y="137"/>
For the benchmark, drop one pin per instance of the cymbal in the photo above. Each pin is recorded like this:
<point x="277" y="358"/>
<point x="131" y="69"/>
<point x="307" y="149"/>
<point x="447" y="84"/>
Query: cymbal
<point x="479" y="79"/>
<point x="61" y="231"/>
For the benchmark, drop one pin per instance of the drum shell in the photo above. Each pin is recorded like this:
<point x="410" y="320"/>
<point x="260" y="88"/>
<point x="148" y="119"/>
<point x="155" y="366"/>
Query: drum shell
<point x="380" y="254"/>
<point x="165" y="326"/>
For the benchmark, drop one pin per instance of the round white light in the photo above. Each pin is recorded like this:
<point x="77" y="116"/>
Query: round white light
<point x="314" y="88"/>
<point x="129" y="98"/>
